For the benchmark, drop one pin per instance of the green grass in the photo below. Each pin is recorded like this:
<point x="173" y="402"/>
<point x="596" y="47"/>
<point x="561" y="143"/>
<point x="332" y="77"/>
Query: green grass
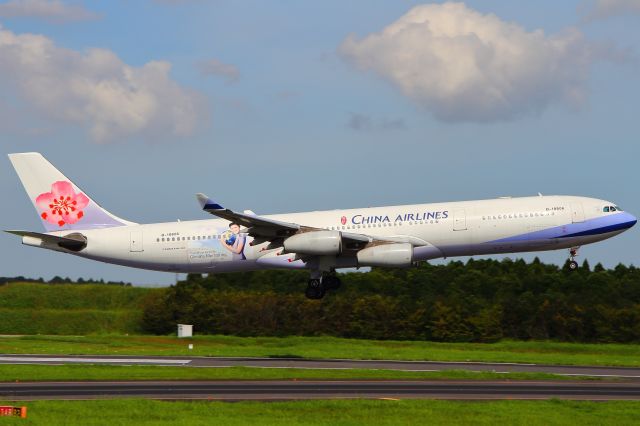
<point x="329" y="412"/>
<point x="329" y="347"/>
<point x="24" y="373"/>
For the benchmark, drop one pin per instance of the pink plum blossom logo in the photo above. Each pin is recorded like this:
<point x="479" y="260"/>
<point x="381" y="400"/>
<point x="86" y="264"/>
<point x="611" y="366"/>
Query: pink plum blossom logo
<point x="62" y="205"/>
<point x="343" y="220"/>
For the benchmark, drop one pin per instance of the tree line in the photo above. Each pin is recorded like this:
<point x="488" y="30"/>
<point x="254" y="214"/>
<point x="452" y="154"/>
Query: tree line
<point x="477" y="301"/>
<point x="60" y="280"/>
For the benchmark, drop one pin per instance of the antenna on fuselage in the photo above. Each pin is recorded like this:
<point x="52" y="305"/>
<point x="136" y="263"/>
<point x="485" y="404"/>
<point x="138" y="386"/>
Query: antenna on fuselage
<point x="539" y="194"/>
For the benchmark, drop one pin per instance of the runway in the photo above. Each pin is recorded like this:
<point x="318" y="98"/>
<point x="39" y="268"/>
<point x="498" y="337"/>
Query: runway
<point x="301" y="363"/>
<point x="295" y="390"/>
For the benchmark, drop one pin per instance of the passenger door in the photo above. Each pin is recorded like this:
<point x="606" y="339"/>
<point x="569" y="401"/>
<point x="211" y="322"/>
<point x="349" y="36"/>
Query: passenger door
<point x="577" y="213"/>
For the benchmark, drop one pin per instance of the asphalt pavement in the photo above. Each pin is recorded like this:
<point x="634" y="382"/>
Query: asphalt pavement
<point x="292" y="390"/>
<point x="303" y="363"/>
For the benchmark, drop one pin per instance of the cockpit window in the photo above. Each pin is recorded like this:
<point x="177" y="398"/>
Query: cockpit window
<point x="613" y="209"/>
<point x="618" y="208"/>
<point x="606" y="209"/>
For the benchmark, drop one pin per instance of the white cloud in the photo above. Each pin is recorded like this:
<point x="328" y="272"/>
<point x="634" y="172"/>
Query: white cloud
<point x="96" y="89"/>
<point x="51" y="10"/>
<point x="465" y="66"/>
<point x="601" y="9"/>
<point x="217" y="68"/>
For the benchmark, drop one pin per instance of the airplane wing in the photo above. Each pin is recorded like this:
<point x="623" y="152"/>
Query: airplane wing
<point x="264" y="229"/>
<point x="260" y="225"/>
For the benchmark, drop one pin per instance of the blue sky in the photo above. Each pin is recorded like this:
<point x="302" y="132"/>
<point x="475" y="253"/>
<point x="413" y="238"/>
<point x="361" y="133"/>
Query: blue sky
<point x="294" y="106"/>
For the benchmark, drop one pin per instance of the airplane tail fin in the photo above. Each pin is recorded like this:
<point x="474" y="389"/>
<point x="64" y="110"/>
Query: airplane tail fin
<point x="60" y="204"/>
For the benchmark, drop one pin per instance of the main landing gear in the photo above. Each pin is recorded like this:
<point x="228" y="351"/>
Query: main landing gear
<point x="573" y="253"/>
<point x="319" y="284"/>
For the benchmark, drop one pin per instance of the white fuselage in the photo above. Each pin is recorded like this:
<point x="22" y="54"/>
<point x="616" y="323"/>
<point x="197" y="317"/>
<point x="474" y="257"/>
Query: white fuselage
<point x="436" y="230"/>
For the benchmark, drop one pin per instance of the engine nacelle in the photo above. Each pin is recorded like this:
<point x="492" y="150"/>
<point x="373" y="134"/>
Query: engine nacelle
<point x="393" y="255"/>
<point x="319" y="243"/>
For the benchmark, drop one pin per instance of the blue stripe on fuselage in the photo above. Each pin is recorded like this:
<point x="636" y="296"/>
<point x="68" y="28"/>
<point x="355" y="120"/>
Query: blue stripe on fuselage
<point x="603" y="230"/>
<point x="599" y="225"/>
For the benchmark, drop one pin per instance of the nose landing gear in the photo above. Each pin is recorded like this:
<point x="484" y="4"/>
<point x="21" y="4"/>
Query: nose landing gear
<point x="573" y="253"/>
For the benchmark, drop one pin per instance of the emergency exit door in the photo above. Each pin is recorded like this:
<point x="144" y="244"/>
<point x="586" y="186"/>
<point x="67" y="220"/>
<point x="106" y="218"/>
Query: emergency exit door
<point x="136" y="241"/>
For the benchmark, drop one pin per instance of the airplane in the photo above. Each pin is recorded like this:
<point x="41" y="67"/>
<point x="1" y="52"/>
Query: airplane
<point x="319" y="241"/>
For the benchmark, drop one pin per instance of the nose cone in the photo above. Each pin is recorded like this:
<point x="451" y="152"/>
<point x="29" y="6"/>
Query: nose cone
<point x="627" y="220"/>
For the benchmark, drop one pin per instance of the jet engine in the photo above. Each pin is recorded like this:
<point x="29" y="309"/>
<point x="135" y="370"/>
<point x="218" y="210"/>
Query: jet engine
<point x="392" y="255"/>
<point x="320" y="243"/>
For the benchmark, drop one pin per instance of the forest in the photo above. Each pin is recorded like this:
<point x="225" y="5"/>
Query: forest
<point x="476" y="301"/>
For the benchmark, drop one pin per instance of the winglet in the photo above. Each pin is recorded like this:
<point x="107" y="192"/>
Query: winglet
<point x="207" y="203"/>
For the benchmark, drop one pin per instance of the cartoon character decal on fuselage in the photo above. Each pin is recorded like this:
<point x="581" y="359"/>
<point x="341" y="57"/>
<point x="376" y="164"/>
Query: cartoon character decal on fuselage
<point x="234" y="241"/>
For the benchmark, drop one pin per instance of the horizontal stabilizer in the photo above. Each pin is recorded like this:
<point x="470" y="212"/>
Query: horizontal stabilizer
<point x="73" y="242"/>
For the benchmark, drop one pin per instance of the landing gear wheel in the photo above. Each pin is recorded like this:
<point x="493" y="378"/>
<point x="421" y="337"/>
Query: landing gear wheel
<point x="315" y="289"/>
<point x="573" y="252"/>
<point x="331" y="282"/>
